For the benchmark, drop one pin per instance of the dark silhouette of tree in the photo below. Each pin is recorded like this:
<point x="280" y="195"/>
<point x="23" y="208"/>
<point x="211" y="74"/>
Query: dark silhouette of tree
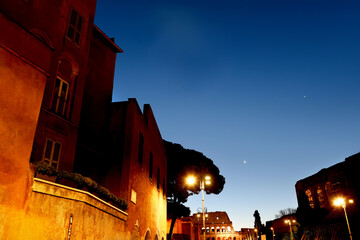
<point x="181" y="163"/>
<point x="257" y="224"/>
<point x="285" y="212"/>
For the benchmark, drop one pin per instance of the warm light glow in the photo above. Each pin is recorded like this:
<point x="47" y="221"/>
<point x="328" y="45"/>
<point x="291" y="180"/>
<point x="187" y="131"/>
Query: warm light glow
<point x="206" y="215"/>
<point x="272" y="228"/>
<point x="289" y="221"/>
<point x="339" y="201"/>
<point x="207" y="180"/>
<point x="190" y="180"/>
<point x="198" y="215"/>
<point x="255" y="230"/>
<point x="351" y="201"/>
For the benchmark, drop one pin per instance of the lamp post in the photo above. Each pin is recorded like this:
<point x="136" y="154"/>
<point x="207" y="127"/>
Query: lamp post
<point x="273" y="233"/>
<point x="256" y="234"/>
<point x="291" y="233"/>
<point x="341" y="202"/>
<point x="191" y="181"/>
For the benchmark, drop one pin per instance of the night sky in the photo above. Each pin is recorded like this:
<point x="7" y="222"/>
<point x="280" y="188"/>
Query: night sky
<point x="269" y="90"/>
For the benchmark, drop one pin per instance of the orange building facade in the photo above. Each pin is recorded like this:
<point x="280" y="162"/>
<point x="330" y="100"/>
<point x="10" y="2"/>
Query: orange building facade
<point x="56" y="85"/>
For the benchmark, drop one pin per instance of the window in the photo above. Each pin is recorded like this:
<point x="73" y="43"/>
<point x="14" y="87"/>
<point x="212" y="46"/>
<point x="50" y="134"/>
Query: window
<point x="60" y="97"/>
<point x="141" y="149"/>
<point x="310" y="198"/>
<point x="74" y="27"/>
<point x="328" y="190"/>
<point x="164" y="188"/>
<point x="158" y="179"/>
<point x="151" y="166"/>
<point x="321" y="198"/>
<point x="52" y="153"/>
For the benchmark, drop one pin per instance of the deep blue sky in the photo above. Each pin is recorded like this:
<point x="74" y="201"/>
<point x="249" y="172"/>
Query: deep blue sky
<point x="272" y="83"/>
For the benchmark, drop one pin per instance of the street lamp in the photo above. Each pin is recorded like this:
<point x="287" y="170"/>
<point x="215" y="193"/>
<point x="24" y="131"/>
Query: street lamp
<point x="256" y="233"/>
<point x="291" y="233"/>
<point x="191" y="180"/>
<point x="341" y="202"/>
<point x="272" y="229"/>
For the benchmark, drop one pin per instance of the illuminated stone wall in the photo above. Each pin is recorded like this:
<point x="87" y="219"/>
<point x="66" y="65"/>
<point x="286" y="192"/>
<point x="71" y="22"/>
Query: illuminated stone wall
<point x="55" y="211"/>
<point x="22" y="80"/>
<point x="145" y="194"/>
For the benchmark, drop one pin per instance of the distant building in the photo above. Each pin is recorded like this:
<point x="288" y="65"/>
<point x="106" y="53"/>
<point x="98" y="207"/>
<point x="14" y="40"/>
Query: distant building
<point x="217" y="227"/>
<point x="316" y="194"/>
<point x="281" y="227"/>
<point x="247" y="234"/>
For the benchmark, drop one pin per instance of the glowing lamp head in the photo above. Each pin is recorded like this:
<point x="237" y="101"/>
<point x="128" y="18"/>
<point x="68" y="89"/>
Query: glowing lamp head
<point x="190" y="180"/>
<point x="207" y="180"/>
<point x="351" y="201"/>
<point x="272" y="228"/>
<point x="339" y="201"/>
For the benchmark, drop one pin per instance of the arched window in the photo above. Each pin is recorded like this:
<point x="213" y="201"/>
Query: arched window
<point x="320" y="196"/>
<point x="158" y="178"/>
<point x="141" y="149"/>
<point x="151" y="163"/>
<point x="310" y="198"/>
<point x="64" y="85"/>
<point x="328" y="190"/>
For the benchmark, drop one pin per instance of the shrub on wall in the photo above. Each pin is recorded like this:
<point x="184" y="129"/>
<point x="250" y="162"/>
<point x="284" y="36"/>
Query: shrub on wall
<point x="82" y="182"/>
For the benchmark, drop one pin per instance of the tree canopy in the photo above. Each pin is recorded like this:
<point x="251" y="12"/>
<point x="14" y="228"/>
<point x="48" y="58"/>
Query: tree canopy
<point x="182" y="163"/>
<point x="285" y="212"/>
